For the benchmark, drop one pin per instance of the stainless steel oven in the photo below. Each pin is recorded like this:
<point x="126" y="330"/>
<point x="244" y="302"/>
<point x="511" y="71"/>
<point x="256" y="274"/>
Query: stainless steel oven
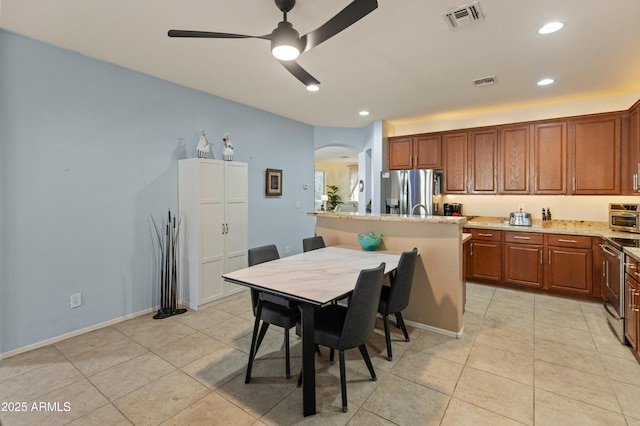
<point x="613" y="291"/>
<point x="624" y="217"/>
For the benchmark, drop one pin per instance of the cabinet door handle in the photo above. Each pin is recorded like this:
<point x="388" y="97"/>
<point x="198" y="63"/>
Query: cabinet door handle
<point x="518" y="237"/>
<point x="541" y="256"/>
<point x="603" y="266"/>
<point x="222" y="229"/>
<point x="549" y="257"/>
<point x="485" y="235"/>
<point x="568" y="241"/>
<point x="574" y="184"/>
<point x="635" y="182"/>
<point x="411" y="161"/>
<point x="471" y="249"/>
<point x="226" y="228"/>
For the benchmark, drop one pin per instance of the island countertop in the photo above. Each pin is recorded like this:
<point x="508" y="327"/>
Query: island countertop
<point x="452" y="220"/>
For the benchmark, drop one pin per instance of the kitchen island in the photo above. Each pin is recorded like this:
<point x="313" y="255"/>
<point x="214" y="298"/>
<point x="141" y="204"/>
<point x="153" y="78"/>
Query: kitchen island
<point x="437" y="295"/>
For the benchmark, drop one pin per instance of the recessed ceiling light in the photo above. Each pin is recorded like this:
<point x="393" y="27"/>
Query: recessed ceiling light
<point x="551" y="27"/>
<point x="546" y="82"/>
<point x="364" y="113"/>
<point x="313" y="87"/>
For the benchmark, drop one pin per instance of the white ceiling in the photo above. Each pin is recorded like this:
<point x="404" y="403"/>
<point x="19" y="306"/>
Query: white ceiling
<point x="401" y="62"/>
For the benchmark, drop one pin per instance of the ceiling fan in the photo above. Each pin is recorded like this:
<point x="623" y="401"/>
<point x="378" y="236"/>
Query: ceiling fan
<point x="286" y="43"/>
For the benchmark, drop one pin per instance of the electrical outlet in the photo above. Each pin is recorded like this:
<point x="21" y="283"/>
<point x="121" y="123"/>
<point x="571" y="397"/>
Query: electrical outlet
<point x="286" y="250"/>
<point x="76" y="300"/>
<point x="521" y="207"/>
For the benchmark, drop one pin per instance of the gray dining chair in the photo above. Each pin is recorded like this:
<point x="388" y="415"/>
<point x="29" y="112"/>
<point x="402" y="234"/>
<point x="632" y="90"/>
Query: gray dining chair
<point x="345" y="327"/>
<point x="312" y="243"/>
<point x="395" y="298"/>
<point x="269" y="309"/>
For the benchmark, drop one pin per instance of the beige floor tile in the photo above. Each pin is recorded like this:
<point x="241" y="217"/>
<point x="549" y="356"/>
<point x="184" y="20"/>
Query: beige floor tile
<point x="456" y="350"/>
<point x="211" y="410"/>
<point x="628" y="397"/>
<point x="632" y="422"/>
<point x="566" y="320"/>
<point x="569" y="356"/>
<point x="188" y="349"/>
<point x="29" y="361"/>
<point x="608" y="344"/>
<point x="328" y="410"/>
<point x="235" y="305"/>
<point x="107" y="415"/>
<point x="624" y="369"/>
<point x="407" y="403"/>
<point x="510" y="309"/>
<point x="218" y="367"/>
<point x="232" y="329"/>
<point x="599" y="326"/>
<point x="124" y="378"/>
<point x="88" y="341"/>
<point x="576" y="384"/>
<point x="513" y="297"/>
<point x="502" y="363"/>
<point x="429" y="370"/>
<point x="566" y="336"/>
<point x="559" y="304"/>
<point x="592" y="310"/>
<point x="203" y="318"/>
<point x="36" y="383"/>
<point x="263" y="392"/>
<point x="554" y="409"/>
<point x="103" y="357"/>
<point x="160" y="333"/>
<point x="162" y="399"/>
<point x="507" y="339"/>
<point x="480" y="290"/>
<point x="503" y="396"/>
<point x="495" y="320"/>
<point x="461" y="413"/>
<point x="367" y="418"/>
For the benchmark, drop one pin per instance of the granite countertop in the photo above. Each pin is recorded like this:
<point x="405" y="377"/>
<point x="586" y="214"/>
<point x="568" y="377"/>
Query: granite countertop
<point x="576" y="227"/>
<point x="447" y="220"/>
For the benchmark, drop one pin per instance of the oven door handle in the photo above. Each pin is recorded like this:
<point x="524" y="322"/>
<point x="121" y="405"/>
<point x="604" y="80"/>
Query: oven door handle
<point x="609" y="251"/>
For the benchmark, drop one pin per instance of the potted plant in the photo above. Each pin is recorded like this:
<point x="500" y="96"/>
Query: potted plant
<point x="334" y="198"/>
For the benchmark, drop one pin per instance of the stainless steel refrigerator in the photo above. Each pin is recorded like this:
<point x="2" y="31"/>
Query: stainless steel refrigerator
<point x="411" y="192"/>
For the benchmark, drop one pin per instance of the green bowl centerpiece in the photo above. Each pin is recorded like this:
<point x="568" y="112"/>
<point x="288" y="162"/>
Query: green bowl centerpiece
<point x="369" y="242"/>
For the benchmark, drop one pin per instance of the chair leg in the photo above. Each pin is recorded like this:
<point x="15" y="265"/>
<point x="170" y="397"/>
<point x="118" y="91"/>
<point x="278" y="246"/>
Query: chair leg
<point x="253" y="349"/>
<point x="263" y="331"/>
<point x="387" y="336"/>
<point x="367" y="360"/>
<point x="343" y="381"/>
<point x="331" y="352"/>
<point x="400" y="322"/>
<point x="286" y="353"/>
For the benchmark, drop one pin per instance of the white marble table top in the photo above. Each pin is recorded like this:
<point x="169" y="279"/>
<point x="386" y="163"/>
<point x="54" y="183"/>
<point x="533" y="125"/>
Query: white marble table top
<point x="317" y="276"/>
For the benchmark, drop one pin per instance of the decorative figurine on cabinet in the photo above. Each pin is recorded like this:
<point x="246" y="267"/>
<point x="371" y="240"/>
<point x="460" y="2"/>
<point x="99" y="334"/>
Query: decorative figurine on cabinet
<point x="203" y="146"/>
<point x="227" y="151"/>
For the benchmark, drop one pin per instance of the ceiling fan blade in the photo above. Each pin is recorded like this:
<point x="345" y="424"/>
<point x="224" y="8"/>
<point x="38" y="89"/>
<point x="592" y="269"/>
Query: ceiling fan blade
<point x="299" y="73"/>
<point x="207" y="34"/>
<point x="348" y="16"/>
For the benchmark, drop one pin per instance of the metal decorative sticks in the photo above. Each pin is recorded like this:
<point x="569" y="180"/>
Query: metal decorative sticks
<point x="167" y="260"/>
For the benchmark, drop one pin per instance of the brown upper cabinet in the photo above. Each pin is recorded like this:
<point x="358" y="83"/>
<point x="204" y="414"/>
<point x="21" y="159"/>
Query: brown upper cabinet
<point x="455" y="162"/>
<point x="631" y="173"/>
<point x="415" y="152"/>
<point x="483" y="161"/>
<point x="513" y="173"/>
<point x="549" y="158"/>
<point x="594" y="149"/>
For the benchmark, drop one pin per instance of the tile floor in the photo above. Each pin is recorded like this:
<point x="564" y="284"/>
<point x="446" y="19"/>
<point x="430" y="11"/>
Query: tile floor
<point x="524" y="359"/>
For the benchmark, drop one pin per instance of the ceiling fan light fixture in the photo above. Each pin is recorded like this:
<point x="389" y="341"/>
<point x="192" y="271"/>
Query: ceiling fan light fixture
<point x="313" y="87"/>
<point x="285" y="42"/>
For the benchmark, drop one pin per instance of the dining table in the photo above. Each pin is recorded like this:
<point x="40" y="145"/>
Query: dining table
<point x="313" y="279"/>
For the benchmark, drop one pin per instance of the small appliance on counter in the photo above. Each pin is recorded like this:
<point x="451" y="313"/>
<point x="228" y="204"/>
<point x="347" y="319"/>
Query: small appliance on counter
<point x="624" y="217"/>
<point x="454" y="209"/>
<point x="520" y="218"/>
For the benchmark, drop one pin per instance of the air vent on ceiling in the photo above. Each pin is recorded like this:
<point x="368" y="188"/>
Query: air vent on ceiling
<point x="463" y="15"/>
<point x="486" y="81"/>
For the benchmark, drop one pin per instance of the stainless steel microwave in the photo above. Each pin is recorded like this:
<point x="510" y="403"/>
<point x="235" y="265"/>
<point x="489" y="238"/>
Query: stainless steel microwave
<point x="624" y="217"/>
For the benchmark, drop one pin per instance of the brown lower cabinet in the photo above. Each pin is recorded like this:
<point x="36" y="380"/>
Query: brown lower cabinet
<point x="554" y="263"/>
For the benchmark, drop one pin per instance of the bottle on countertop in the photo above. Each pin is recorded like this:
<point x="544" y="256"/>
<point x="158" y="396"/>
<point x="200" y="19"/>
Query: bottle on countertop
<point x="548" y="213"/>
<point x="544" y="215"/>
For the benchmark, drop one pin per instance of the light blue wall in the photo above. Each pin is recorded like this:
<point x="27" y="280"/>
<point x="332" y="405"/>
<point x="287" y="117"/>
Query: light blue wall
<point x="88" y="151"/>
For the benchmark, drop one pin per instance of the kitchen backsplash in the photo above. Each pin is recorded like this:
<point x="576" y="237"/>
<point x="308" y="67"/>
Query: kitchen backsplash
<point x="564" y="207"/>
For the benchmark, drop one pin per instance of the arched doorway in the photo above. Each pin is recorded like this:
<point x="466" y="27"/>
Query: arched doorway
<point x="336" y="166"/>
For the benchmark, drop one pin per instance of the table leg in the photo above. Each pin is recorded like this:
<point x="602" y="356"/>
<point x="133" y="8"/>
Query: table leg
<point x="308" y="361"/>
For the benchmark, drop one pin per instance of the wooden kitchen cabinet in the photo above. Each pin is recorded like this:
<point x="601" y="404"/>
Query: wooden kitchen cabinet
<point x="455" y="162"/>
<point x="514" y="147"/>
<point x="415" y="152"/>
<point x="549" y="158"/>
<point x="631" y="178"/>
<point x="569" y="267"/>
<point x="523" y="263"/>
<point x="484" y="261"/>
<point x="594" y="147"/>
<point x="483" y="161"/>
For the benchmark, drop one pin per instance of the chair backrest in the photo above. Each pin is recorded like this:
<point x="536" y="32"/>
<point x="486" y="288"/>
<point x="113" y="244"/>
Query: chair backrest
<point x="312" y="243"/>
<point x="257" y="256"/>
<point x="401" y="282"/>
<point x="362" y="310"/>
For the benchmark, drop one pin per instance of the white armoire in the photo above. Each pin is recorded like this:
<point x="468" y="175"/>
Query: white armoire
<point x="212" y="200"/>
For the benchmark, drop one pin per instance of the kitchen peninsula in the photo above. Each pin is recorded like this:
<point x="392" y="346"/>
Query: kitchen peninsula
<point x="437" y="295"/>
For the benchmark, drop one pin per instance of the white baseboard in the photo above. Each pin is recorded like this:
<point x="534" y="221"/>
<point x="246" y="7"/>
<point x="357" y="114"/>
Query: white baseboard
<point x="74" y="333"/>
<point x="457" y="335"/>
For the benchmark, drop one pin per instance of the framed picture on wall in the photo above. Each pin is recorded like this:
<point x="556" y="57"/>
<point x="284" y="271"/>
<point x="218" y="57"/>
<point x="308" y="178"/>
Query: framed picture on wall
<point x="273" y="181"/>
